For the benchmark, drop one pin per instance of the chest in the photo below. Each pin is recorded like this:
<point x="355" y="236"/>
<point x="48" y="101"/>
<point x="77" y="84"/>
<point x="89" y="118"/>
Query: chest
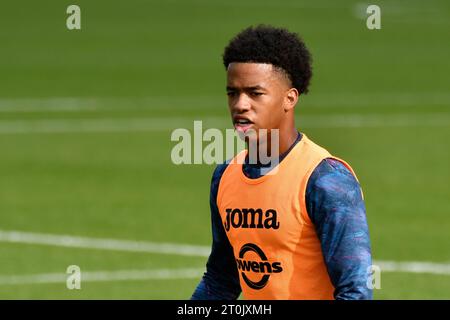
<point x="269" y="216"/>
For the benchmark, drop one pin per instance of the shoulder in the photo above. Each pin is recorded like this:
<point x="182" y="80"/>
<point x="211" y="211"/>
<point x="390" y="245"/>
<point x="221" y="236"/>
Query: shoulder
<point x="221" y="168"/>
<point x="218" y="171"/>
<point x="216" y="176"/>
<point x="331" y="186"/>
<point x="332" y="174"/>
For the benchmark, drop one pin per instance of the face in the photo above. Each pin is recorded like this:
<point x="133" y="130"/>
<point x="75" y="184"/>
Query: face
<point x="258" y="96"/>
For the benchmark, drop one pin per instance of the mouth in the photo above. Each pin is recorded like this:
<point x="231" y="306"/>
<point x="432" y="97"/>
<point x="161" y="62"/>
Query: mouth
<point x="242" y="124"/>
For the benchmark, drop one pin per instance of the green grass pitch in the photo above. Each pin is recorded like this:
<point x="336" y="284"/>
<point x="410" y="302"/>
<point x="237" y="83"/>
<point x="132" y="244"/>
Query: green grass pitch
<point x="379" y="99"/>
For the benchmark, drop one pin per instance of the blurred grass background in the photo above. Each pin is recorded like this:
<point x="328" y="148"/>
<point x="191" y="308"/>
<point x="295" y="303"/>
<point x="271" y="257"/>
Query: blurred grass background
<point x="379" y="99"/>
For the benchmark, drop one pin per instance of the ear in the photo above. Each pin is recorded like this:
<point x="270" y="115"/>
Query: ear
<point x="290" y="100"/>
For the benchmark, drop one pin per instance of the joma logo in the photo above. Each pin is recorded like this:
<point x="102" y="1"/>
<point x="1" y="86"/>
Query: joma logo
<point x="251" y="218"/>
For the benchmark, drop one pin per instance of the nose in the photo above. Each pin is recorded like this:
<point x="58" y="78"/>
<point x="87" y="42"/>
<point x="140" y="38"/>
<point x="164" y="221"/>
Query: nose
<point x="241" y="103"/>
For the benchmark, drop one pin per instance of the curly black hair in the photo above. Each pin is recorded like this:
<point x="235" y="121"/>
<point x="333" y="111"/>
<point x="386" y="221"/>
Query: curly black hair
<point x="277" y="46"/>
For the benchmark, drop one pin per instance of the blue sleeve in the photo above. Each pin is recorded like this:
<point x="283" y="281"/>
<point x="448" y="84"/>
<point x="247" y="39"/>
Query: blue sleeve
<point x="336" y="208"/>
<point x="221" y="279"/>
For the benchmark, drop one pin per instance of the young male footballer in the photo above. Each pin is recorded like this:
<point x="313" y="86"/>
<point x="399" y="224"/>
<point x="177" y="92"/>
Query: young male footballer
<point x="300" y="233"/>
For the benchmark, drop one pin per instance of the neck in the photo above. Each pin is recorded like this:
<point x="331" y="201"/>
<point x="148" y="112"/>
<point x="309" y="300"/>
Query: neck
<point x="286" y="138"/>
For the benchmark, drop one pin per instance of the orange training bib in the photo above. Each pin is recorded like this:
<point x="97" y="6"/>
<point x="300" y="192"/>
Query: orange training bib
<point x="277" y="251"/>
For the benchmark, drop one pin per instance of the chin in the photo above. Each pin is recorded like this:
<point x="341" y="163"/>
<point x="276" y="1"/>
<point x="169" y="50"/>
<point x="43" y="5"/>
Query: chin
<point x="251" y="135"/>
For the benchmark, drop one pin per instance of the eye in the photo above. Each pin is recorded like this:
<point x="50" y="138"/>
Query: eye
<point x="256" y="94"/>
<point x="231" y="93"/>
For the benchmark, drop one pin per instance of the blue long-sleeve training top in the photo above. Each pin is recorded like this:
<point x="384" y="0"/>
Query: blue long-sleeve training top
<point x="336" y="208"/>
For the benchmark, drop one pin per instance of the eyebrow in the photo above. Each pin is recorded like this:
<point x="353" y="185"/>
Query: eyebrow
<point x="257" y="87"/>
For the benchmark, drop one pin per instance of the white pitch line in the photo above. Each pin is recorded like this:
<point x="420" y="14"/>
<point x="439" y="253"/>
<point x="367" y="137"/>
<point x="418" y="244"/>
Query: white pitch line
<point x="103" y="244"/>
<point x="149" y="103"/>
<point x="414" y="267"/>
<point x="167" y="124"/>
<point x="373" y="120"/>
<point x="182" y="249"/>
<point x="192" y="273"/>
<point x="95" y="276"/>
<point x="90" y="125"/>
